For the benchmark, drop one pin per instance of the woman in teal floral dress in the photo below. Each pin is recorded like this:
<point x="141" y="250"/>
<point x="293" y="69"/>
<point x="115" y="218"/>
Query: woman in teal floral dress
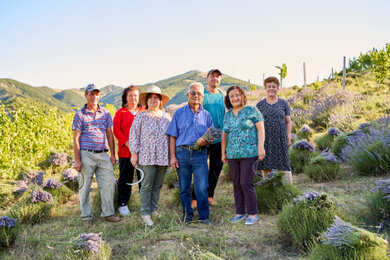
<point x="242" y="144"/>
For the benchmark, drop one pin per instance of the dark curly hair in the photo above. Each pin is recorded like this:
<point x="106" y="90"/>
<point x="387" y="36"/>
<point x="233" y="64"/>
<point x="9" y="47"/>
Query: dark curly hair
<point x="244" y="99"/>
<point x="124" y="95"/>
<point x="271" y="79"/>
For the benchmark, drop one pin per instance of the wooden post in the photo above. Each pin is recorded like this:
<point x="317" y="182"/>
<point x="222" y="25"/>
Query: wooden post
<point x="304" y="75"/>
<point x="344" y="73"/>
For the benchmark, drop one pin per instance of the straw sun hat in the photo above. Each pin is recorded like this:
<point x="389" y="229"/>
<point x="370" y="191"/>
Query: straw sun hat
<point x="153" y="90"/>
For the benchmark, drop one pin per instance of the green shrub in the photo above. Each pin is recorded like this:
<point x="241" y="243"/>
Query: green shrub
<point x="324" y="141"/>
<point x="32" y="207"/>
<point x="171" y="179"/>
<point x="379" y="203"/>
<point x="323" y="167"/>
<point x="61" y="195"/>
<point x="345" y="241"/>
<point x="305" y="132"/>
<point x="226" y="172"/>
<point x="306" y="218"/>
<point x="9" y="228"/>
<point x="273" y="192"/>
<point x="300" y="154"/>
<point x="339" y="144"/>
<point x="7" y="195"/>
<point x="69" y="177"/>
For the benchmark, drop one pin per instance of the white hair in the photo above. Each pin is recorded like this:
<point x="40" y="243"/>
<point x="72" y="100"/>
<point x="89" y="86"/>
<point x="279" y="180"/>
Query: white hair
<point x="195" y="84"/>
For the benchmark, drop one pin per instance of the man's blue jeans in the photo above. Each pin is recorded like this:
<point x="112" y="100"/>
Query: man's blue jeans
<point x="193" y="161"/>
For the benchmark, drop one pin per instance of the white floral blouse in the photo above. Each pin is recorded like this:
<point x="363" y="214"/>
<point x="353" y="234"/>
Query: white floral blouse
<point x="148" y="139"/>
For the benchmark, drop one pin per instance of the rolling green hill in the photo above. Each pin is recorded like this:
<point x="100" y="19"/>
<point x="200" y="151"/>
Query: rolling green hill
<point x="70" y="97"/>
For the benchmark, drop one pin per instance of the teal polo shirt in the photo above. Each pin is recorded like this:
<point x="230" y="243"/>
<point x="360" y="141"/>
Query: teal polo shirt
<point x="214" y="104"/>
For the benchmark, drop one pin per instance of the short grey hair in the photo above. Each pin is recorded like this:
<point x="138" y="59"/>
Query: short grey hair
<point x="195" y="84"/>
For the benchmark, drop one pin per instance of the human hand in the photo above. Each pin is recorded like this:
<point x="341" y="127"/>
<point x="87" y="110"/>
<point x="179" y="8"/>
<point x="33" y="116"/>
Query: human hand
<point x="224" y="158"/>
<point x="127" y="143"/>
<point x="261" y="153"/>
<point x="113" y="159"/>
<point x="134" y="159"/>
<point x="174" y="163"/>
<point x="288" y="140"/>
<point x="202" y="142"/>
<point x="77" y="166"/>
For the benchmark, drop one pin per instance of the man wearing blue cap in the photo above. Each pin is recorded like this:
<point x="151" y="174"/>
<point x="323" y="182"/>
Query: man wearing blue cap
<point x="90" y="127"/>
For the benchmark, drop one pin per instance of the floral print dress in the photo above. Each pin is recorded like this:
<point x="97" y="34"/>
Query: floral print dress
<point x="242" y="133"/>
<point x="148" y="139"/>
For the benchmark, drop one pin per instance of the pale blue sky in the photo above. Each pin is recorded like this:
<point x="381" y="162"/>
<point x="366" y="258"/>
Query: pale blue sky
<point x="68" y="44"/>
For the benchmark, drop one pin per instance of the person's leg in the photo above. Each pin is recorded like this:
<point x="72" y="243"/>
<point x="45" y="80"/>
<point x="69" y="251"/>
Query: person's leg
<point x="265" y="172"/>
<point x="215" y="167"/>
<point x="145" y="193"/>
<point x="247" y="185"/>
<point x="239" y="201"/>
<point x="201" y="173"/>
<point x="106" y="182"/>
<point x="126" y="172"/>
<point x="288" y="177"/>
<point x="85" y="180"/>
<point x="157" y="185"/>
<point x="184" y="173"/>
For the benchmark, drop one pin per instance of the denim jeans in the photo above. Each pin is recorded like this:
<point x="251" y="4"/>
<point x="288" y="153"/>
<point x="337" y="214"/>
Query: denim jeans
<point x="193" y="162"/>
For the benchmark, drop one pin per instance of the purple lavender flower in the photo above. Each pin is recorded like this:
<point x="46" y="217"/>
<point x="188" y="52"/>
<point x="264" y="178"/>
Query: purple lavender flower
<point x="293" y="137"/>
<point x="304" y="145"/>
<point x="41" y="196"/>
<point x="306" y="128"/>
<point x="311" y="195"/>
<point x="70" y="174"/>
<point x="60" y="159"/>
<point x="364" y="126"/>
<point x="90" y="241"/>
<point x="329" y="156"/>
<point x="384" y="187"/>
<point x="339" y="234"/>
<point x="270" y="177"/>
<point x="210" y="136"/>
<point x="20" y="187"/>
<point x="34" y="177"/>
<point x="52" y="184"/>
<point x="7" y="222"/>
<point x="334" y="131"/>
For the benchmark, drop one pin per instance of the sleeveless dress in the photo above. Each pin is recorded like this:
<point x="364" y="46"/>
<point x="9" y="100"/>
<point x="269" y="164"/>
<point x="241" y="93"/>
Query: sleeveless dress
<point x="276" y="144"/>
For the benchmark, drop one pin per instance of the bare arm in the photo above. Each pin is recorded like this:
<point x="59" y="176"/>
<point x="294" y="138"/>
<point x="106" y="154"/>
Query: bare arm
<point x="111" y="144"/>
<point x="260" y="139"/>
<point x="223" y="146"/>
<point x="76" y="150"/>
<point x="172" y="150"/>
<point x="289" y="127"/>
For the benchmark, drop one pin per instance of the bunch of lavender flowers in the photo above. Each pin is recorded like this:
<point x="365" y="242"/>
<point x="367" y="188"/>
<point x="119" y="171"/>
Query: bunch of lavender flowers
<point x="7" y="222"/>
<point x="384" y="187"/>
<point x="70" y="174"/>
<point x="41" y="196"/>
<point x="274" y="177"/>
<point x="329" y="156"/>
<point x="20" y="187"/>
<point x="34" y="177"/>
<point x="293" y="137"/>
<point x="311" y="195"/>
<point x="306" y="128"/>
<point x="304" y="145"/>
<point x="89" y="241"/>
<point x="334" y="131"/>
<point x="52" y="184"/>
<point x="210" y="136"/>
<point x="60" y="159"/>
<point x="340" y="234"/>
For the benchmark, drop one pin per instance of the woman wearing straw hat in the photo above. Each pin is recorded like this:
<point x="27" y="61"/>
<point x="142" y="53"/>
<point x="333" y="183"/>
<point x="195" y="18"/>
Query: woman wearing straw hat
<point x="149" y="146"/>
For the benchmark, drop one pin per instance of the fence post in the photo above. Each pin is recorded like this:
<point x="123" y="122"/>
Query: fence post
<point x="304" y="75"/>
<point x="344" y="74"/>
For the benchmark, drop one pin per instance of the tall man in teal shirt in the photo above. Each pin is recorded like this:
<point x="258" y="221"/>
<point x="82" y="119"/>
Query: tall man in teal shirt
<point x="213" y="102"/>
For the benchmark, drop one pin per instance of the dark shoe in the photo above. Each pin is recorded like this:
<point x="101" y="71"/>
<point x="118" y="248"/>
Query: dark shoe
<point x="112" y="218"/>
<point x="206" y="222"/>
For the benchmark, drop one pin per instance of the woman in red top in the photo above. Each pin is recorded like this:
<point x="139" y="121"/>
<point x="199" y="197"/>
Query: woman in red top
<point x="123" y="120"/>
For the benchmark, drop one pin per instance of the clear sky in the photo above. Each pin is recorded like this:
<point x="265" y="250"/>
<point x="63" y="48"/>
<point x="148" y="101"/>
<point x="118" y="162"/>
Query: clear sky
<point x="69" y="43"/>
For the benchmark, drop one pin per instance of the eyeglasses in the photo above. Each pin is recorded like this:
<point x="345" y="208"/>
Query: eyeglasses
<point x="193" y="93"/>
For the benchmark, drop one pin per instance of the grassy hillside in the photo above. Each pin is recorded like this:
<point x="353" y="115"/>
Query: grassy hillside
<point x="13" y="92"/>
<point x="70" y="97"/>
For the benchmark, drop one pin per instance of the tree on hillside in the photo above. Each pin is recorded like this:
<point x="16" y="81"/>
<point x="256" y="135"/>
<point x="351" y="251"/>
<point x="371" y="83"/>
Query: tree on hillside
<point x="282" y="72"/>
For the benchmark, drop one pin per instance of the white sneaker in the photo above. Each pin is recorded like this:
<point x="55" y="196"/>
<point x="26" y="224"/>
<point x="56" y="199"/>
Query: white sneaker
<point x="148" y="220"/>
<point x="124" y="210"/>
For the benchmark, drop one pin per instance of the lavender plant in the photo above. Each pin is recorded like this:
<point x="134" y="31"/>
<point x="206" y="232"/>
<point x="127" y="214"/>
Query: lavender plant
<point x="59" y="159"/>
<point x="300" y="154"/>
<point x="344" y="241"/>
<point x="60" y="192"/>
<point x="90" y="241"/>
<point x="303" y="220"/>
<point x="305" y="132"/>
<point x="91" y="246"/>
<point x="379" y="203"/>
<point x="9" y="229"/>
<point x="334" y="131"/>
<point x="41" y="196"/>
<point x="210" y="136"/>
<point x="34" y="177"/>
<point x="323" y="167"/>
<point x="52" y="184"/>
<point x="69" y="178"/>
<point x="273" y="192"/>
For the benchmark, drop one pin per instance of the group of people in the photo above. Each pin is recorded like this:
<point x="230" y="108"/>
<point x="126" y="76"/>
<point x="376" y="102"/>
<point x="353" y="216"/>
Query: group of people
<point x="151" y="141"/>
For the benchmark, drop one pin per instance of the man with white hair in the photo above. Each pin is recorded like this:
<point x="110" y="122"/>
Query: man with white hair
<point x="187" y="127"/>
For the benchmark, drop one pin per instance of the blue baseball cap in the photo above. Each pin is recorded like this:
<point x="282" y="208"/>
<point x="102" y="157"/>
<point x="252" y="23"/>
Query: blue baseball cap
<point x="91" y="87"/>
